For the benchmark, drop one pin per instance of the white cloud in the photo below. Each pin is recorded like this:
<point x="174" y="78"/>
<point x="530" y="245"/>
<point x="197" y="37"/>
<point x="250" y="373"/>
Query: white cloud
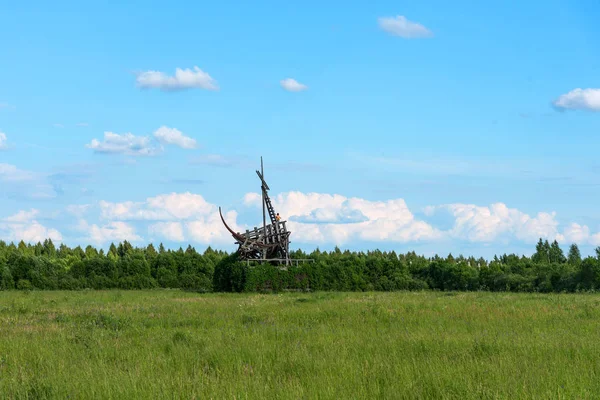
<point x="10" y="173"/>
<point x="181" y="216"/>
<point x="183" y="79"/>
<point x="2" y="140"/>
<point x="252" y="199"/>
<point x="23" y="216"/>
<point x="173" y="136"/>
<point x="23" y="226"/>
<point x="127" y="144"/>
<point x="325" y="218"/>
<point x="78" y="210"/>
<point x="496" y="222"/>
<point x="320" y="218"/>
<point x="114" y="231"/>
<point x="169" y="230"/>
<point x="209" y="229"/>
<point x="400" y="26"/>
<point x="575" y="233"/>
<point x="165" y="207"/>
<point x="58" y="125"/>
<point x="579" y="234"/>
<point x="82" y="124"/>
<point x="291" y="85"/>
<point x="579" y="99"/>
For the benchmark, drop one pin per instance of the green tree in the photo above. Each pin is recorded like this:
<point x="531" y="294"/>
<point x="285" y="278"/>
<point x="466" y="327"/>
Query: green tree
<point x="542" y="252"/>
<point x="589" y="273"/>
<point x="574" y="257"/>
<point x="556" y="254"/>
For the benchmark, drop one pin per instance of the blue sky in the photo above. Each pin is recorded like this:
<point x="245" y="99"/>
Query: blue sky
<point x="443" y="127"/>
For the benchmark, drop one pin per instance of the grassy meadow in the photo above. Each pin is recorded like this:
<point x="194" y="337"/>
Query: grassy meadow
<point x="174" y="344"/>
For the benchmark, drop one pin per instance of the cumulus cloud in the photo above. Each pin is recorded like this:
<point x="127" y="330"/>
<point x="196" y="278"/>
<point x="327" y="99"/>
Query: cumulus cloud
<point x="579" y="99"/>
<point x="498" y="222"/>
<point x="576" y="233"/>
<point x="166" y="207"/>
<point x="400" y="26"/>
<point x="320" y="218"/>
<point x="209" y="229"/>
<point x="24" y="226"/>
<point x="169" y="230"/>
<point x="183" y="79"/>
<point x="114" y="231"/>
<point x="326" y="218"/>
<point x="178" y="215"/>
<point x="173" y="136"/>
<point x="23" y="216"/>
<point x="2" y="140"/>
<point x="580" y="234"/>
<point x="291" y="85"/>
<point x="127" y="144"/>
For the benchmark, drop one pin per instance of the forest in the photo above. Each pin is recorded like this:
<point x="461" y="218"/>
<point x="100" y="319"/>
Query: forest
<point x="44" y="266"/>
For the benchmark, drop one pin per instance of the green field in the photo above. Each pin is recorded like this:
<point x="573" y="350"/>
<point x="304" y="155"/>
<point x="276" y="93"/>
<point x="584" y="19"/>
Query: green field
<point x="173" y="344"/>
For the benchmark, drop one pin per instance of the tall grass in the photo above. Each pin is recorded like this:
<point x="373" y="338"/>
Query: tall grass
<point x="172" y="344"/>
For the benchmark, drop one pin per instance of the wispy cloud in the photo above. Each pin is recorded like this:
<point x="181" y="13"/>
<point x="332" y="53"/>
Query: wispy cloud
<point x="20" y="184"/>
<point x="579" y="99"/>
<point x="82" y="124"/>
<point x="443" y="165"/>
<point x="3" y="141"/>
<point x="127" y="144"/>
<point x="292" y="85"/>
<point x="132" y="145"/>
<point x="10" y="173"/>
<point x="400" y="26"/>
<point x="183" y="79"/>
<point x="58" y="125"/>
<point x="73" y="176"/>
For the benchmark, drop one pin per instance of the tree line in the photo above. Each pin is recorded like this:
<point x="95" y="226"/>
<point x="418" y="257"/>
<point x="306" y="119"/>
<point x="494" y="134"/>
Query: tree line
<point x="44" y="266"/>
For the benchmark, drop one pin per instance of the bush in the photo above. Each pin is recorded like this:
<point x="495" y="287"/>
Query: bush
<point x="69" y="283"/>
<point x="24" y="284"/>
<point x="198" y="283"/>
<point x="230" y="275"/>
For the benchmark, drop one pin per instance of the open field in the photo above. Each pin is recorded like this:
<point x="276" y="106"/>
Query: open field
<point x="173" y="344"/>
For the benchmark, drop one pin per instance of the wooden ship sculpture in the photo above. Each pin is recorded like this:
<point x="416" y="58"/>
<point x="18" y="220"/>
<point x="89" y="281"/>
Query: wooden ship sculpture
<point x="271" y="243"/>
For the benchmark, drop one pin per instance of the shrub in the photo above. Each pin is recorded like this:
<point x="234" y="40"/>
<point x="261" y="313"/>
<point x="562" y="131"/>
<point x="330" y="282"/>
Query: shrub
<point x="24" y="284"/>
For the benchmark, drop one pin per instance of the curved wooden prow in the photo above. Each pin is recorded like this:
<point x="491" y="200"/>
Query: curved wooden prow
<point x="236" y="235"/>
<point x="241" y="238"/>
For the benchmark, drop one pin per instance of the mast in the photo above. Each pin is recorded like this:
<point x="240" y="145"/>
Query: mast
<point x="262" y="193"/>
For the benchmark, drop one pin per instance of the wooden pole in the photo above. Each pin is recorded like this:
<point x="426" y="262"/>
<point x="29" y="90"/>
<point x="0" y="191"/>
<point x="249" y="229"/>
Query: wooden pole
<point x="262" y="172"/>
